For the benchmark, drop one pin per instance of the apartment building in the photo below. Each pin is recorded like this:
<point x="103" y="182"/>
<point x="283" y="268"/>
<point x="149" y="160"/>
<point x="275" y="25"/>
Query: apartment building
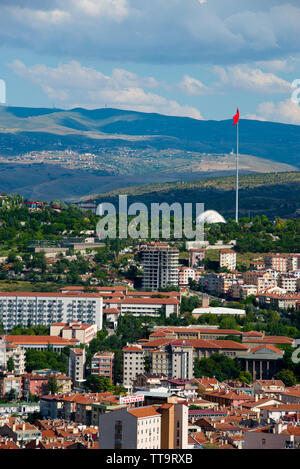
<point x="103" y="365"/>
<point x="282" y="262"/>
<point x="289" y="282"/>
<point x="227" y="258"/>
<point x="133" y="364"/>
<point x="47" y="308"/>
<point x="9" y="382"/>
<point x="196" y="258"/>
<point x="263" y="280"/>
<point x="14" y="351"/>
<point x="174" y="359"/>
<point x="76" y="366"/>
<point x="160" y="265"/>
<point x="138" y="428"/>
<point x="83" y="333"/>
<point x="35" y="383"/>
<point x="18" y="355"/>
<point x="174" y="426"/>
<point x="187" y="273"/>
<point x="277" y="301"/>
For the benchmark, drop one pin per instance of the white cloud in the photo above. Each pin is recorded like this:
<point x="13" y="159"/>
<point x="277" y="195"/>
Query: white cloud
<point x="72" y="85"/>
<point x="168" y="31"/>
<point x="192" y="86"/>
<point x="251" y="79"/>
<point x="285" y="111"/>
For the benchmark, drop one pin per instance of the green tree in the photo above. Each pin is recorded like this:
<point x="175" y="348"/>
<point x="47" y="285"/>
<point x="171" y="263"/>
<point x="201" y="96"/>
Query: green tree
<point x="287" y="377"/>
<point x="10" y="364"/>
<point x="52" y="386"/>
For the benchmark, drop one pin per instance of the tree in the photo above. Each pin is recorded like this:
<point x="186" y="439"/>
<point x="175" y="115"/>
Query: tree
<point x="287" y="377"/>
<point x="245" y="377"/>
<point x="52" y="386"/>
<point x="10" y="364"/>
<point x="95" y="383"/>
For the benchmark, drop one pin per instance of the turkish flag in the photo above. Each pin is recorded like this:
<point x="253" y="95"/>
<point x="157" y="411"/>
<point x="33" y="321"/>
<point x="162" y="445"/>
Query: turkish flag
<point x="236" y="117"/>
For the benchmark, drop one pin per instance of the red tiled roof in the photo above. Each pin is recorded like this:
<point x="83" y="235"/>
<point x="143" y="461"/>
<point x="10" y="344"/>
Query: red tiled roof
<point x="141" y="412"/>
<point x="37" y="340"/>
<point x="269" y="347"/>
<point x="132" y="349"/>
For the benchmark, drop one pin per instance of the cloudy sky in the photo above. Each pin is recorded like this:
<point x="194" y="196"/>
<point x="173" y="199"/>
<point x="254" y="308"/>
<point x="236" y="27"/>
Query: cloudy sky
<point x="196" y="58"/>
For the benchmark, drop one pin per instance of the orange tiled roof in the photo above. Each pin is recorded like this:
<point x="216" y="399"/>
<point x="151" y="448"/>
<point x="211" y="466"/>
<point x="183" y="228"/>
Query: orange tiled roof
<point x="141" y="412"/>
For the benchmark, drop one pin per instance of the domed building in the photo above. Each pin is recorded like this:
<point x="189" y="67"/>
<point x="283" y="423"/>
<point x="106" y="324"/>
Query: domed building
<point x="210" y="217"/>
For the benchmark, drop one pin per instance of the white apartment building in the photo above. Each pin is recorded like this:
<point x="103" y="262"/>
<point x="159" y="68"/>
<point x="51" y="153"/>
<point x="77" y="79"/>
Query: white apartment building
<point x="160" y="265"/>
<point x="14" y="351"/>
<point x="290" y="283"/>
<point x="31" y="308"/>
<point x="227" y="258"/>
<point x="186" y="273"/>
<point x="76" y="366"/>
<point x="133" y="364"/>
<point x="138" y="428"/>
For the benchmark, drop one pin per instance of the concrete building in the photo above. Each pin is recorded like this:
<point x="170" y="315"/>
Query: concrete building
<point x="9" y="382"/>
<point x="144" y="306"/>
<point x="103" y="365"/>
<point x="278" y="436"/>
<point x="76" y="366"/>
<point x="187" y="273"/>
<point x="160" y="265"/>
<point x="14" y="351"/>
<point x="196" y="258"/>
<point x="175" y="360"/>
<point x="133" y="364"/>
<point x="227" y="258"/>
<point x="289" y="282"/>
<point x="138" y="428"/>
<point x="47" y="308"/>
<point x="83" y="333"/>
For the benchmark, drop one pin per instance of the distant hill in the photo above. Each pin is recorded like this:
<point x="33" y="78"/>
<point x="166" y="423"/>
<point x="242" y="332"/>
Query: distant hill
<point x="133" y="148"/>
<point x="270" y="194"/>
<point x="273" y="141"/>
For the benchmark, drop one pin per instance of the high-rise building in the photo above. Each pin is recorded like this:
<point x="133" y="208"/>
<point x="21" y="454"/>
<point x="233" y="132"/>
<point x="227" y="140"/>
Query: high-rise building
<point x="77" y="359"/>
<point x="160" y="265"/>
<point x="133" y="364"/>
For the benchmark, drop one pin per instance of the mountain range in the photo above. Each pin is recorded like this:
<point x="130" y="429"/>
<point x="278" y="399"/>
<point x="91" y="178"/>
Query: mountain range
<point x="130" y="148"/>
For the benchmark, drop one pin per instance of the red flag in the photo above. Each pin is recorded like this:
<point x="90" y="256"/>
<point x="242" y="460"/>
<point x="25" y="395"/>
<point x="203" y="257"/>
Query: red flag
<point x="236" y="117"/>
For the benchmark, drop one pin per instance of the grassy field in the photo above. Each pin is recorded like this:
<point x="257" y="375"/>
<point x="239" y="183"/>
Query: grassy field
<point x="14" y="285"/>
<point x="241" y="258"/>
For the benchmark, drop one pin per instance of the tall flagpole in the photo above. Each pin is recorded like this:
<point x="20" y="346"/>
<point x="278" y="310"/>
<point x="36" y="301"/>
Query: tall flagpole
<point x="237" y="175"/>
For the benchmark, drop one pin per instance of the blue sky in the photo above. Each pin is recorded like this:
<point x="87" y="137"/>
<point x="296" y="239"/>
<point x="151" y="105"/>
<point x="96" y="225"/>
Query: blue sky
<point x="196" y="58"/>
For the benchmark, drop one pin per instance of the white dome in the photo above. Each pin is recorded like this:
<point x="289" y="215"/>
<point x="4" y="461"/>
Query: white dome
<point x="210" y="216"/>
